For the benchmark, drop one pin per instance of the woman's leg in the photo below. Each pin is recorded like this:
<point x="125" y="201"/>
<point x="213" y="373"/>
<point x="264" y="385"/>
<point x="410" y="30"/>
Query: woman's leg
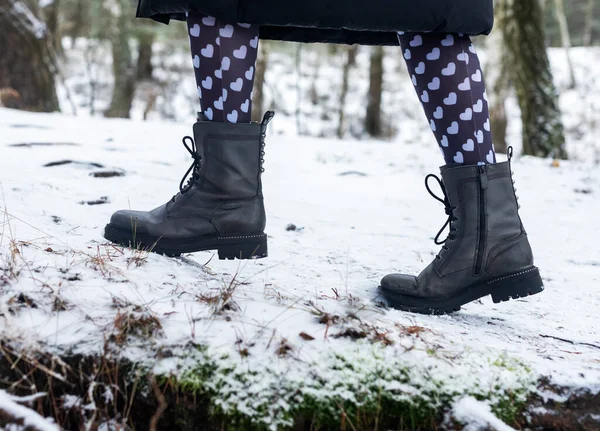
<point x="224" y="57"/>
<point x="446" y="73"/>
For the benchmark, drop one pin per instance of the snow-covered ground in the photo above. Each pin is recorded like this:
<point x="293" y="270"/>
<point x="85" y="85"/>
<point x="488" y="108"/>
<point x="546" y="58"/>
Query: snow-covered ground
<point x="305" y="322"/>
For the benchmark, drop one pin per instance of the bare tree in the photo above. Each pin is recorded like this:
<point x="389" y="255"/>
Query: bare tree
<point x="28" y="62"/>
<point x="561" y="17"/>
<point x="373" y="123"/>
<point x="124" y="70"/>
<point x="258" y="94"/>
<point x="350" y="62"/>
<point x="543" y="131"/>
<point x="498" y="79"/>
<point x="589" y="23"/>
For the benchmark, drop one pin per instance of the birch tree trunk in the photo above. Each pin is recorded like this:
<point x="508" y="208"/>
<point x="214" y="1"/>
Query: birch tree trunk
<point x="27" y="62"/>
<point x="561" y="17"/>
<point x="543" y="131"/>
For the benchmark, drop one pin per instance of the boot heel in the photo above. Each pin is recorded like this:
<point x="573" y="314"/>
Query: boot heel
<point x="519" y="285"/>
<point x="255" y="249"/>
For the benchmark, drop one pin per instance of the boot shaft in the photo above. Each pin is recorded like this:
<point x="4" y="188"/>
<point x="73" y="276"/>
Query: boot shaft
<point x="232" y="158"/>
<point x="486" y="208"/>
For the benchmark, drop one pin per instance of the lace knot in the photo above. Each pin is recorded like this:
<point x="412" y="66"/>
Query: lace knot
<point x="194" y="168"/>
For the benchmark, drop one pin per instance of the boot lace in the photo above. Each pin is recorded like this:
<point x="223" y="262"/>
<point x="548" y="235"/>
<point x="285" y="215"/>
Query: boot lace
<point x="194" y="168"/>
<point x="449" y="212"/>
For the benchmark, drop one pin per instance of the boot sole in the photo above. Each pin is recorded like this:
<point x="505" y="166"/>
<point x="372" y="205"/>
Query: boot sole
<point x="520" y="284"/>
<point x="229" y="247"/>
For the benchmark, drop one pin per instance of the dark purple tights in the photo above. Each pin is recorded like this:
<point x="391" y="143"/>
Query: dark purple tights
<point x="444" y="69"/>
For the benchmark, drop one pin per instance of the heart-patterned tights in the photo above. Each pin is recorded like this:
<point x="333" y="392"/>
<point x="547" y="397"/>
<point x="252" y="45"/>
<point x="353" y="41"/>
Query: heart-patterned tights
<point x="224" y="57"/>
<point x="446" y="74"/>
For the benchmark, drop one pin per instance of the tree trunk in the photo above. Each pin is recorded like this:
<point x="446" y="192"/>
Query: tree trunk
<point x="543" y="131"/>
<point x="27" y="63"/>
<point x="351" y="52"/>
<point x="589" y="24"/>
<point x="51" y="15"/>
<point x="144" y="61"/>
<point x="123" y="69"/>
<point x="373" y="124"/>
<point x="497" y="77"/>
<point x="561" y="17"/>
<point x="258" y="95"/>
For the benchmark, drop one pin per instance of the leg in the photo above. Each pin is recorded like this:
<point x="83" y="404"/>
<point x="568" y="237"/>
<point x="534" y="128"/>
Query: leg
<point x="446" y="73"/>
<point x="487" y="251"/>
<point x="224" y="57"/>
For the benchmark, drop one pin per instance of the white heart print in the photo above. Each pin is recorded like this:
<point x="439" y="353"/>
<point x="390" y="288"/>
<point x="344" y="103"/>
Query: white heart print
<point x="463" y="56"/>
<point x="226" y="31"/>
<point x="233" y="116"/>
<point x="439" y="113"/>
<point x="244" y="25"/>
<point x="467" y="115"/>
<point x="420" y="70"/>
<point x="195" y="30"/>
<point x="225" y="94"/>
<point x="209" y="21"/>
<point x="254" y="42"/>
<point x="241" y="52"/>
<point x="200" y="92"/>
<point x="476" y="77"/>
<point x="486" y="125"/>
<point x="432" y="125"/>
<point x="249" y="73"/>
<point x="465" y="85"/>
<point x="434" y="55"/>
<point x="425" y="97"/>
<point x="196" y="62"/>
<point x="490" y="157"/>
<point x="407" y="54"/>
<point x="434" y="84"/>
<point x="453" y="129"/>
<point x="245" y="106"/>
<point x="479" y="136"/>
<point x="448" y="41"/>
<point x="208" y="51"/>
<point x="219" y="73"/>
<point x="449" y="70"/>
<point x="218" y="41"/>
<point x="417" y="41"/>
<point x="459" y="158"/>
<point x="237" y="85"/>
<point x="472" y="49"/>
<point x="209" y="113"/>
<point x="478" y="107"/>
<point x="469" y="146"/>
<point x="207" y="83"/>
<point x="219" y="103"/>
<point x="445" y="141"/>
<point x="414" y="80"/>
<point x="225" y="63"/>
<point x="451" y="99"/>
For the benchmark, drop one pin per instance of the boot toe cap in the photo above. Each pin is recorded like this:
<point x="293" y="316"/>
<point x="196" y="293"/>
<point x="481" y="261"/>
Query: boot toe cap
<point x="126" y="220"/>
<point x="400" y="283"/>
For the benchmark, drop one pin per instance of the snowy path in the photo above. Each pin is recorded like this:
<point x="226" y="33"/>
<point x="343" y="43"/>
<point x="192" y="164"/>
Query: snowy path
<point x="353" y="229"/>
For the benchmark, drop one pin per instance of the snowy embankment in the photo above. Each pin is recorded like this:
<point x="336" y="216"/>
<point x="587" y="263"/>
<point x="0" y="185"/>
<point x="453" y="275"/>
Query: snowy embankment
<point x="302" y="327"/>
<point x="301" y="333"/>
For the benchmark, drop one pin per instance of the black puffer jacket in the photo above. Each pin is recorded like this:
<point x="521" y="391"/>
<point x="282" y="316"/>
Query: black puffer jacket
<point x="373" y="22"/>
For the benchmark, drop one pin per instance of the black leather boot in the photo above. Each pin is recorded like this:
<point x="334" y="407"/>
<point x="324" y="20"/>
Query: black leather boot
<point x="220" y="208"/>
<point x="486" y="252"/>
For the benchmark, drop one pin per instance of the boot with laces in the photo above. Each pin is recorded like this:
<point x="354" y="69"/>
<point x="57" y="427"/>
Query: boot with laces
<point x="220" y="208"/>
<point x="486" y="252"/>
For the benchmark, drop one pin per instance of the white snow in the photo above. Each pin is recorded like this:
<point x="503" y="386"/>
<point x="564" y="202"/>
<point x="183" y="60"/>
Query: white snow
<point x="29" y="417"/>
<point x="477" y="415"/>
<point x="354" y="230"/>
